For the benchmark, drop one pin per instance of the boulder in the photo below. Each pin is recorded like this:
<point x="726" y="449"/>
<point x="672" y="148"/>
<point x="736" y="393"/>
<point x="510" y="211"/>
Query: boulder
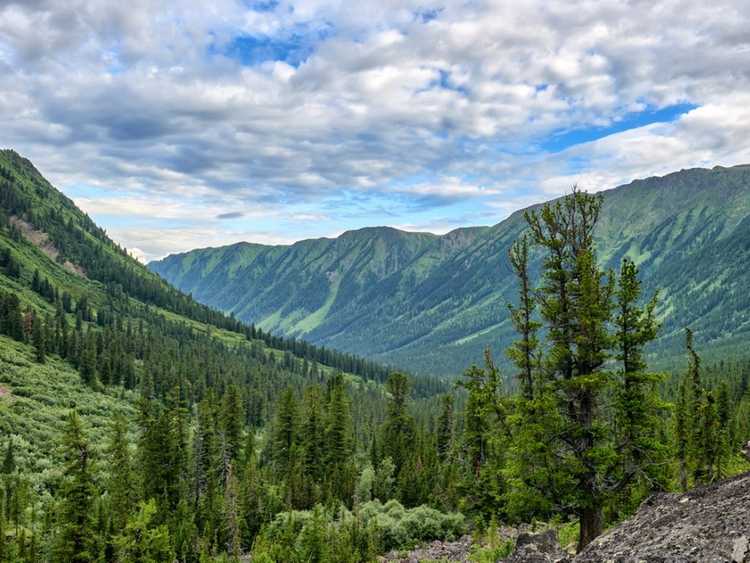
<point x="541" y="547"/>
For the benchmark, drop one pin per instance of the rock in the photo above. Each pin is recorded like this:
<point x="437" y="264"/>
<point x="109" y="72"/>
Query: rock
<point x="542" y="547"/>
<point x="435" y="551"/>
<point x="705" y="525"/>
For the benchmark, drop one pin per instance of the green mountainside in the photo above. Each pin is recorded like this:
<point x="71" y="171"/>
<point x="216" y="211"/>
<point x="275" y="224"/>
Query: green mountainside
<point x="61" y="277"/>
<point x="433" y="303"/>
<point x="139" y="425"/>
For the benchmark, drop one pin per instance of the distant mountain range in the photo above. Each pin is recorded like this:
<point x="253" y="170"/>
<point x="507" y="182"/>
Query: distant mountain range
<point x="433" y="303"/>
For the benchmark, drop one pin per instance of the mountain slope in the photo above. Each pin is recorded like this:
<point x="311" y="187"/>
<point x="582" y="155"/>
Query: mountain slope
<point x="433" y="303"/>
<point x="113" y="331"/>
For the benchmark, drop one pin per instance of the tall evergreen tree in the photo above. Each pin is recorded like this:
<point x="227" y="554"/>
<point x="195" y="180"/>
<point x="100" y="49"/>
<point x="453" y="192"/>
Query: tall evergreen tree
<point x="232" y="420"/>
<point x="524" y="351"/>
<point x="399" y="429"/>
<point x="75" y="535"/>
<point x="121" y="484"/>
<point x="38" y="339"/>
<point x="444" y="438"/>
<point x="642" y="455"/>
<point x="339" y="439"/>
<point x="285" y="431"/>
<point x="576" y="307"/>
<point x="313" y="437"/>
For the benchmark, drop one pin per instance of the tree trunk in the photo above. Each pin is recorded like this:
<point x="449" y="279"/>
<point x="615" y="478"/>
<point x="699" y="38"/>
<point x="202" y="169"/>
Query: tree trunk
<point x="592" y="523"/>
<point x="683" y="475"/>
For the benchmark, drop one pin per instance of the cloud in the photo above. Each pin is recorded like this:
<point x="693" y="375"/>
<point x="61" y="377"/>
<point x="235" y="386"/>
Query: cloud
<point x="230" y="215"/>
<point x="391" y="112"/>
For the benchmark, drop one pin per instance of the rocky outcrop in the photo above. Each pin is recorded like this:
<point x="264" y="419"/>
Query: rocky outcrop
<point x="709" y="524"/>
<point x="542" y="547"/>
<point x="458" y="550"/>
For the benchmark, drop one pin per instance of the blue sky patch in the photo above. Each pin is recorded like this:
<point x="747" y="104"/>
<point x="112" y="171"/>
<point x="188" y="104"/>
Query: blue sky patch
<point x="293" y="47"/>
<point x="565" y="139"/>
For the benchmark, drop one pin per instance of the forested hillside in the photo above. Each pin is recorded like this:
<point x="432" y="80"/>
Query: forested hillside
<point x="116" y="389"/>
<point x="138" y="425"/>
<point x="434" y="303"/>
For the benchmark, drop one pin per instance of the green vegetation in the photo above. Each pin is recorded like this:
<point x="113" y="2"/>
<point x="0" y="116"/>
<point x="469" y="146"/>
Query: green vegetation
<point x="432" y="304"/>
<point x="137" y="425"/>
<point x="372" y="528"/>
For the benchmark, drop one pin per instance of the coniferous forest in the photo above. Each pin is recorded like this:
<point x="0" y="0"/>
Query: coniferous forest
<point x="138" y="425"/>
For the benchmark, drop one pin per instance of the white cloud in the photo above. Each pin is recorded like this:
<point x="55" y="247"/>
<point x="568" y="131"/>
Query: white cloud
<point x="136" y="98"/>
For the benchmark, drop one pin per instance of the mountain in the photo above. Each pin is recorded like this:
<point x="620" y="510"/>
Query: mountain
<point x="85" y="326"/>
<point x="433" y="303"/>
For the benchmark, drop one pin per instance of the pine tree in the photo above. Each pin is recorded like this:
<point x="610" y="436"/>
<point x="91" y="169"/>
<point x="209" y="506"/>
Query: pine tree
<point x="232" y="418"/>
<point x="523" y="352"/>
<point x="445" y="428"/>
<point x="576" y="306"/>
<point x="76" y="526"/>
<point x="121" y="485"/>
<point x="38" y="340"/>
<point x="398" y="429"/>
<point x="285" y="431"/>
<point x="637" y="404"/>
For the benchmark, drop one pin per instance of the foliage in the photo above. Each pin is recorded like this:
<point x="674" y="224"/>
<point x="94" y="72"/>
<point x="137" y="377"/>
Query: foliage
<point x="138" y="425"/>
<point x="312" y="535"/>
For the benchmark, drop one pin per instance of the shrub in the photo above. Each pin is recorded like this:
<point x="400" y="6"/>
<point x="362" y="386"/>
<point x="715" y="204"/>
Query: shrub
<point x="322" y="534"/>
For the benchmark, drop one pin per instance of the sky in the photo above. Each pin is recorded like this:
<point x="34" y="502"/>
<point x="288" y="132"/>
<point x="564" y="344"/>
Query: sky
<point x="179" y="125"/>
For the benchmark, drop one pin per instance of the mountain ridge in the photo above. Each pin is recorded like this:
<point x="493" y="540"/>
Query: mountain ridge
<point x="433" y="302"/>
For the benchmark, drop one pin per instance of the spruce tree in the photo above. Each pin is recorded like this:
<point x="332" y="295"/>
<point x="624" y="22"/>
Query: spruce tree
<point x="9" y="460"/>
<point x="75" y="535"/>
<point x="143" y="540"/>
<point x="682" y="435"/>
<point x="121" y="485"/>
<point x="232" y="514"/>
<point x="339" y="440"/>
<point x="232" y="419"/>
<point x="484" y="438"/>
<point x="398" y="429"/>
<point x="313" y="444"/>
<point x="285" y="431"/>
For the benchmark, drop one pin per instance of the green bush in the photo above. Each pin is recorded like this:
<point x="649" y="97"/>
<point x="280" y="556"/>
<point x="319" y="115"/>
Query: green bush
<point x="322" y="535"/>
<point x="399" y="527"/>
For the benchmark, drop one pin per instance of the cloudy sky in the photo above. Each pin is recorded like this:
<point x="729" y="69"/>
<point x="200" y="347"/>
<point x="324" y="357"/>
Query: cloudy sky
<point x="187" y="124"/>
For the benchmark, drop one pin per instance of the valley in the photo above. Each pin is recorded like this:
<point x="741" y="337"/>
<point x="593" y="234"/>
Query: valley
<point x="138" y="424"/>
<point x="434" y="303"/>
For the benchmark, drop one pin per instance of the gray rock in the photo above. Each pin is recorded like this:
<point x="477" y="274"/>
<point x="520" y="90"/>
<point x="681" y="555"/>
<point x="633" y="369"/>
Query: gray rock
<point x="542" y="547"/>
<point x="435" y="551"/>
<point x="709" y="524"/>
